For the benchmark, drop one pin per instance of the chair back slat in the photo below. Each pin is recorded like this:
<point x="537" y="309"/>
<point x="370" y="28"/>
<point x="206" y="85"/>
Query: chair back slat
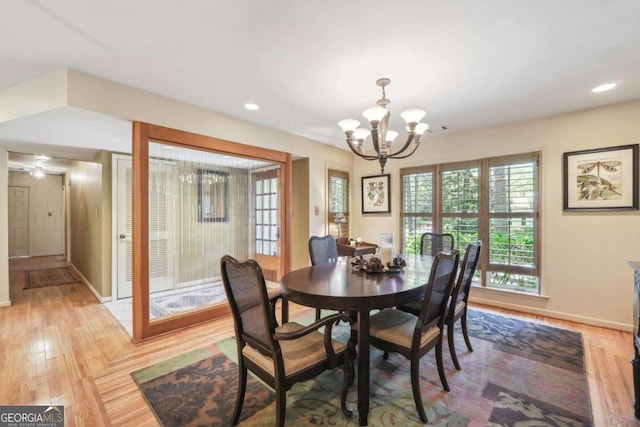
<point x="247" y="294"/>
<point x="439" y="287"/>
<point x="432" y="243"/>
<point x="468" y="269"/>
<point x="323" y="250"/>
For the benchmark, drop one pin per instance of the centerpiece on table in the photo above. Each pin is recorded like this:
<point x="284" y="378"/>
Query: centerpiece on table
<point x="375" y="264"/>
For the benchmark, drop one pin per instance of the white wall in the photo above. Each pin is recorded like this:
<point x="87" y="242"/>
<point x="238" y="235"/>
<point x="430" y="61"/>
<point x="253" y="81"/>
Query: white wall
<point x="4" y="228"/>
<point x="46" y="212"/>
<point x="584" y="255"/>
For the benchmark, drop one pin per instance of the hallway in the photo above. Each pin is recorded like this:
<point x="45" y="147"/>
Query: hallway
<point x="53" y="339"/>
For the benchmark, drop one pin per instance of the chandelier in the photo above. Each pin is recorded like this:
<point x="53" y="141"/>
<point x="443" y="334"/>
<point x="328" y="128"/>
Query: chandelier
<point x="381" y="136"/>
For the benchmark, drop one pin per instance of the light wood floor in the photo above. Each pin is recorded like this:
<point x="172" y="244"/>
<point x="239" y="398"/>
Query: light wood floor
<point x="60" y="346"/>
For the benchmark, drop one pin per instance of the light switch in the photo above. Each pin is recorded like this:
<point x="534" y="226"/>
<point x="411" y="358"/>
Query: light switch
<point x="316" y="210"/>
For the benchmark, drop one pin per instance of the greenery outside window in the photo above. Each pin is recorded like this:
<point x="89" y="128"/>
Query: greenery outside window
<point x="417" y="206"/>
<point x="494" y="200"/>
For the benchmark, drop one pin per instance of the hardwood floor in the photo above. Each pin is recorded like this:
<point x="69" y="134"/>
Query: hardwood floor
<point x="61" y="347"/>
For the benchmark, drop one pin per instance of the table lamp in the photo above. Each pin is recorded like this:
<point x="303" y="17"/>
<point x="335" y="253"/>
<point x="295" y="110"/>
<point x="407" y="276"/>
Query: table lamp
<point x="340" y="219"/>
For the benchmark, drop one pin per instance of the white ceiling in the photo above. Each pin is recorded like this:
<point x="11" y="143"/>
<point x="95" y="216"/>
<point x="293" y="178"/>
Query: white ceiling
<point x="308" y="64"/>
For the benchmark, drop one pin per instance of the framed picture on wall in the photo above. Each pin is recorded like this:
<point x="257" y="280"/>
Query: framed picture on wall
<point x="213" y="196"/>
<point x="376" y="194"/>
<point x="601" y="179"/>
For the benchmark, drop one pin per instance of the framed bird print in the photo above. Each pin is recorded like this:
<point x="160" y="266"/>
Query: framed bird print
<point x="604" y="179"/>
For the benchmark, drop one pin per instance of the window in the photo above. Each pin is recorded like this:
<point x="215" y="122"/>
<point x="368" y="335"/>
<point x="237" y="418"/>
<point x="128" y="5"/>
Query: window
<point x="338" y="210"/>
<point x="494" y="200"/>
<point x="460" y="195"/>
<point x="417" y="207"/>
<point x="513" y="222"/>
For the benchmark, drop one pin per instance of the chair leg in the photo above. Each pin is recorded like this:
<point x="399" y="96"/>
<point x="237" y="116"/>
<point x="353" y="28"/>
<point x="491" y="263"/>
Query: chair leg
<point x="385" y="355"/>
<point x="452" y="346"/>
<point x="415" y="385"/>
<point x="242" y="386"/>
<point x="317" y="314"/>
<point x="347" y="379"/>
<point x="281" y="404"/>
<point x="443" y="377"/>
<point x="463" y="322"/>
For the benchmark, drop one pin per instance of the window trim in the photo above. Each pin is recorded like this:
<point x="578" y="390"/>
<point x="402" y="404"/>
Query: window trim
<point x="332" y="229"/>
<point x="484" y="215"/>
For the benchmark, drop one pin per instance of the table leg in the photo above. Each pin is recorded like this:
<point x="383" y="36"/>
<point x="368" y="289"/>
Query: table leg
<point x="363" y="366"/>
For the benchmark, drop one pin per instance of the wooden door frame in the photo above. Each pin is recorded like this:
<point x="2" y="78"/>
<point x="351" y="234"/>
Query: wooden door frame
<point x="143" y="326"/>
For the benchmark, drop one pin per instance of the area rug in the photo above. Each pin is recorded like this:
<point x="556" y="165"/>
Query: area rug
<point x="49" y="277"/>
<point x="519" y="373"/>
<point x="163" y="304"/>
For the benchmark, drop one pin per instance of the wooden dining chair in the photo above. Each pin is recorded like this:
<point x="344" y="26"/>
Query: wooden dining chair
<point x="432" y="243"/>
<point x="322" y="250"/>
<point x="460" y="298"/>
<point x="396" y="331"/>
<point x="279" y="355"/>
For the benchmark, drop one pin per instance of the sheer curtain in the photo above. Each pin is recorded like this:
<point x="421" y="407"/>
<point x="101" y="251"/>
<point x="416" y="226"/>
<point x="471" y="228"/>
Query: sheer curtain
<point x="202" y="205"/>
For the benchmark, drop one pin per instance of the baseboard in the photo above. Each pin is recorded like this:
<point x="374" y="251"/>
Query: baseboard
<point x="5" y="303"/>
<point x="93" y="290"/>
<point x="554" y="314"/>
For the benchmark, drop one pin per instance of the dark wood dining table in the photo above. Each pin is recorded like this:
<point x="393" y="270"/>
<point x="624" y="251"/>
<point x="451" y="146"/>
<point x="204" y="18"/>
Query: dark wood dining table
<point x="339" y="286"/>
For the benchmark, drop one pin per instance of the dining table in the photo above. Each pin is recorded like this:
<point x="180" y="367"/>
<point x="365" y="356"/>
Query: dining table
<point x="343" y="286"/>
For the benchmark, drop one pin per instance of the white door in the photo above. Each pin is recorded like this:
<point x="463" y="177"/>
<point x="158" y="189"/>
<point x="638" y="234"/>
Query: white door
<point x="18" y="205"/>
<point x="160" y="223"/>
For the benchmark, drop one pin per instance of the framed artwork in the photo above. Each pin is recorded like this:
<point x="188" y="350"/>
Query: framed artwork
<point x="213" y="196"/>
<point x="603" y="179"/>
<point x="376" y="194"/>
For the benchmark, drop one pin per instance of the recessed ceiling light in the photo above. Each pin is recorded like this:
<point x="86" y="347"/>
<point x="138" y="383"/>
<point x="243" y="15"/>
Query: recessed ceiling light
<point x="604" y="87"/>
<point x="42" y="158"/>
<point x="251" y="106"/>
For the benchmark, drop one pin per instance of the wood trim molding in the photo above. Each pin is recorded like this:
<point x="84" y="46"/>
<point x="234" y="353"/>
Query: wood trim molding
<point x="143" y="133"/>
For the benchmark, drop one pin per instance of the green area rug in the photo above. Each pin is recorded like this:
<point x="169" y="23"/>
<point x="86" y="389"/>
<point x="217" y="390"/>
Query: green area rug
<point x="519" y="373"/>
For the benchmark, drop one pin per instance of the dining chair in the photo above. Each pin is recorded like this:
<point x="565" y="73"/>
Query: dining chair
<point x="460" y="298"/>
<point x="279" y="355"/>
<point x="322" y="250"/>
<point x="432" y="243"/>
<point x="396" y="331"/>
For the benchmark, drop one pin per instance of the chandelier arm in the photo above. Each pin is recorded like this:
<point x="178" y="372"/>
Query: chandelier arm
<point x="413" y="150"/>
<point x="364" y="156"/>
<point x="406" y="145"/>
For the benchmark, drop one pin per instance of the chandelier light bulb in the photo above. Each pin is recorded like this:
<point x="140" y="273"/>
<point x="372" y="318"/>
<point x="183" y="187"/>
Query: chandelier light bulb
<point x="421" y="128"/>
<point x="391" y="136"/>
<point x="361" y="134"/>
<point x="348" y="125"/>
<point x="375" y="114"/>
<point x="38" y="173"/>
<point x="413" y="115"/>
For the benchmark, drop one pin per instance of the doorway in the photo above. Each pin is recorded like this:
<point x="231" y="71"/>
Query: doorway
<point x="18" y="205"/>
<point x="161" y="242"/>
